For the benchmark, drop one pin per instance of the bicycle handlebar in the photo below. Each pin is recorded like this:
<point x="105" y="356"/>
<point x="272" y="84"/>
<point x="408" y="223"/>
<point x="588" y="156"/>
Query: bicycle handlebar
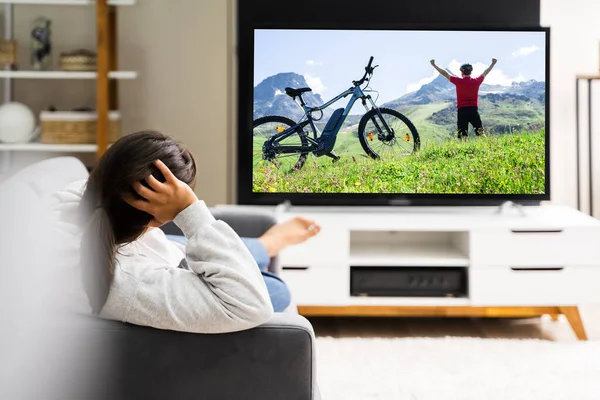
<point x="368" y="71"/>
<point x="370" y="62"/>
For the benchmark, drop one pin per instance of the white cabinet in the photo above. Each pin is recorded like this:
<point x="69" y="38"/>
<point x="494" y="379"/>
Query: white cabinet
<point x="548" y="256"/>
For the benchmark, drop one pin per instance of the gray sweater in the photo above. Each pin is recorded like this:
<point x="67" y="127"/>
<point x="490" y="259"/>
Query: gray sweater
<point x="211" y="286"/>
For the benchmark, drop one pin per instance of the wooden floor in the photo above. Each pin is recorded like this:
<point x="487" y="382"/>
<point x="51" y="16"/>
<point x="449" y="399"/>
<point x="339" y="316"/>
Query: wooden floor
<point x="527" y="328"/>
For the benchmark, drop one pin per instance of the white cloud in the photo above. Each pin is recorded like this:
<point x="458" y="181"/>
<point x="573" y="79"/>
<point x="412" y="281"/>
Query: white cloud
<point x="525" y="51"/>
<point x="315" y="84"/>
<point x="278" y="92"/>
<point x="314" y="63"/>
<point x="495" y="77"/>
<point x="413" y="87"/>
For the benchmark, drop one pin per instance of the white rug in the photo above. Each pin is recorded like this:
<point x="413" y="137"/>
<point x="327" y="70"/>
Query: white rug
<point x="457" y="369"/>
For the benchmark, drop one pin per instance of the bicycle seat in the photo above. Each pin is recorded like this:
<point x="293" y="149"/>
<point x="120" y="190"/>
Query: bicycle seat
<point x="293" y="93"/>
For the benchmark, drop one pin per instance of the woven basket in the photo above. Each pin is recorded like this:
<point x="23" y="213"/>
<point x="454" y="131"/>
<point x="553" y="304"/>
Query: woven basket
<point x="75" y="127"/>
<point x="79" y="60"/>
<point x="8" y="52"/>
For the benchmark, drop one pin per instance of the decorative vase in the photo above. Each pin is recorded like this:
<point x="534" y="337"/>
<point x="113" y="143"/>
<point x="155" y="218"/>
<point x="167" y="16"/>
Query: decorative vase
<point x="17" y="123"/>
<point x="41" y="46"/>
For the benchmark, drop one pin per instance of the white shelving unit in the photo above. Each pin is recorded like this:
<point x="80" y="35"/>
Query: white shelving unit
<point x="7" y="149"/>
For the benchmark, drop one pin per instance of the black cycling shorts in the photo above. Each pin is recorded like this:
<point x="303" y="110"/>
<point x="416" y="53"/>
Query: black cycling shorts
<point x="466" y="116"/>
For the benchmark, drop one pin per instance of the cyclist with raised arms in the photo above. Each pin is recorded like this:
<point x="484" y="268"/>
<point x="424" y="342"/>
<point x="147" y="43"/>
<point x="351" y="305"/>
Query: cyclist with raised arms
<point x="467" y="97"/>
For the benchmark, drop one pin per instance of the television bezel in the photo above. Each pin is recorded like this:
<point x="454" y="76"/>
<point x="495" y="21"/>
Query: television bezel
<point x="245" y="93"/>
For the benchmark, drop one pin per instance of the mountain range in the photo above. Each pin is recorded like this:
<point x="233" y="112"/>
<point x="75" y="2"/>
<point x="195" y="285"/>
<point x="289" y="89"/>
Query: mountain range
<point x="441" y="89"/>
<point x="432" y="108"/>
<point x="270" y="97"/>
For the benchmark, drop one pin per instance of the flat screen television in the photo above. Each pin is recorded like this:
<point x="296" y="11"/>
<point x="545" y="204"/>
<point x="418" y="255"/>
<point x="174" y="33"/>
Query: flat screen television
<point x="393" y="116"/>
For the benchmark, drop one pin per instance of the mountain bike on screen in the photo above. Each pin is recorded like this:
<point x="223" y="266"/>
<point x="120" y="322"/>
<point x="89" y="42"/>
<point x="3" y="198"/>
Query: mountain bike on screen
<point x="382" y="132"/>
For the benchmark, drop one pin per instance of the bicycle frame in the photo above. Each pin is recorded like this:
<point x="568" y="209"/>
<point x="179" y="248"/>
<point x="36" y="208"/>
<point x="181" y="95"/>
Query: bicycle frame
<point x="356" y="92"/>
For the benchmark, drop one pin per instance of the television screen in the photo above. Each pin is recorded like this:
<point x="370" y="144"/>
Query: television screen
<point x="399" y="112"/>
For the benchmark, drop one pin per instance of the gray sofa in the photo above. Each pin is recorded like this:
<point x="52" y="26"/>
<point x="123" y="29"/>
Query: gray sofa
<point x="115" y="360"/>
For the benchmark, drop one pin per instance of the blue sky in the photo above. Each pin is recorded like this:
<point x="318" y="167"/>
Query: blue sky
<point x="330" y="60"/>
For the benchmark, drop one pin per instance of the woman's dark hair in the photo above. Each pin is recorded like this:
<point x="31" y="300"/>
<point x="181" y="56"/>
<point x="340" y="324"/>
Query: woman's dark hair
<point x="108" y="221"/>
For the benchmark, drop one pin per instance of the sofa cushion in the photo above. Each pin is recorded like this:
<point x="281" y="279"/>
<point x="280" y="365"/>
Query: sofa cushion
<point x="48" y="176"/>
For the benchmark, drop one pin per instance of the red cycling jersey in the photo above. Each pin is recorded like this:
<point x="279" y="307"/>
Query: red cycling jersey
<point x="467" y="90"/>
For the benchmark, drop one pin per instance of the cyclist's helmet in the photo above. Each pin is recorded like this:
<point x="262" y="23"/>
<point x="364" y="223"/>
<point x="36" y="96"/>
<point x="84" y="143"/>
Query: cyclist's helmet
<point x="466" y="69"/>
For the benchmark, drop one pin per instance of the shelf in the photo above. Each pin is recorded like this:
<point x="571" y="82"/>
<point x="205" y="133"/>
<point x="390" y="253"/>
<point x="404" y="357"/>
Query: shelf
<point x="409" y="249"/>
<point x="69" y="2"/>
<point x="42" y="147"/>
<point x="65" y="74"/>
<point x="589" y="77"/>
<point x="409" y="255"/>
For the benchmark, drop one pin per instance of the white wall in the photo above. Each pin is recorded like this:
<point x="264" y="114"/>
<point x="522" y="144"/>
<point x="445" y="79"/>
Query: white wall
<point x="575" y="47"/>
<point x="181" y="50"/>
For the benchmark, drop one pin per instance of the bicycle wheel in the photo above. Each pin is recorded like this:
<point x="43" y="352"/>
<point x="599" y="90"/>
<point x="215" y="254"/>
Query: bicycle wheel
<point x="377" y="142"/>
<point x="264" y="129"/>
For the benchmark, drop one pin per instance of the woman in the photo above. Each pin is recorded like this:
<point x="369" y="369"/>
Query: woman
<point x="132" y="272"/>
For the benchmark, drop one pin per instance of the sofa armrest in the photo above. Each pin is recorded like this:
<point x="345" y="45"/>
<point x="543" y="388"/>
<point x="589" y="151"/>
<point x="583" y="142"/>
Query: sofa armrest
<point x="275" y="360"/>
<point x="247" y="223"/>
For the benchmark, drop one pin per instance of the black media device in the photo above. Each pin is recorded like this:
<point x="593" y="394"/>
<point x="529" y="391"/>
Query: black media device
<point x="408" y="281"/>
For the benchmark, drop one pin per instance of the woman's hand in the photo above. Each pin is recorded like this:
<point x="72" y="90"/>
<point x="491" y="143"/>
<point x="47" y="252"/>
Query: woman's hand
<point x="164" y="200"/>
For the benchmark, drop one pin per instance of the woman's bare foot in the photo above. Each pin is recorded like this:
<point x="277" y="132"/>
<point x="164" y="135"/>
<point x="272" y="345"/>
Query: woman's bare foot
<point x="294" y="231"/>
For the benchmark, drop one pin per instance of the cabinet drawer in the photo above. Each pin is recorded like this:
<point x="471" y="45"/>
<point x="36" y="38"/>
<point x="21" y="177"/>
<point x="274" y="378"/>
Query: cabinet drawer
<point x="506" y="286"/>
<point x="539" y="248"/>
<point x="317" y="285"/>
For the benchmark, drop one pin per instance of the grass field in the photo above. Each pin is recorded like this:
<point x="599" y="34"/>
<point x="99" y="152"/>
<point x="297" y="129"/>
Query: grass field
<point x="503" y="164"/>
<point x="419" y="116"/>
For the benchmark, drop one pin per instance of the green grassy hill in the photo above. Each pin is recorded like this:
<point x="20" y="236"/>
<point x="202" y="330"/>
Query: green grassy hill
<point x="420" y="116"/>
<point x="510" y="164"/>
<point x="499" y="114"/>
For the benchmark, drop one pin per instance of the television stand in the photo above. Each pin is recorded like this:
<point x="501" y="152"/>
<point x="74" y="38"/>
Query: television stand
<point x="545" y="260"/>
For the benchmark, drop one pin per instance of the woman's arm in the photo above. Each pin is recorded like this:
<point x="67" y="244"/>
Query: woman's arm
<point x="222" y="291"/>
